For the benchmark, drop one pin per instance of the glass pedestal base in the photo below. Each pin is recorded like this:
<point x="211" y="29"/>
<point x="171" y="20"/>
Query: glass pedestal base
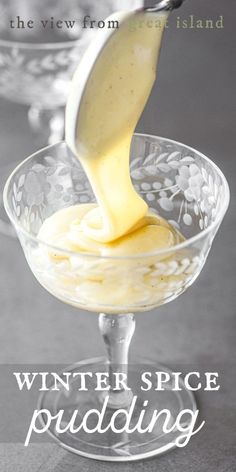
<point x="110" y="445"/>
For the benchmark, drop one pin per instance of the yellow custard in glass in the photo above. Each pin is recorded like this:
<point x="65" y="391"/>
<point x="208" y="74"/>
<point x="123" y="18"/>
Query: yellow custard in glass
<point x="99" y="132"/>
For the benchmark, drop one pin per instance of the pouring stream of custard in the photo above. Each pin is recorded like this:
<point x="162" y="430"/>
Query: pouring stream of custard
<point x="113" y="98"/>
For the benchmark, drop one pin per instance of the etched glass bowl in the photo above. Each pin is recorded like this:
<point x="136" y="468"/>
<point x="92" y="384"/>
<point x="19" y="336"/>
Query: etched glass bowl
<point x="181" y="185"/>
<point x="177" y="182"/>
<point x="36" y="64"/>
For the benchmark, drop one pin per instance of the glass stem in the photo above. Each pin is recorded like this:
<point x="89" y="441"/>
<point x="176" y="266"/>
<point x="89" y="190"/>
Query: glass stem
<point x="117" y="332"/>
<point x="49" y="122"/>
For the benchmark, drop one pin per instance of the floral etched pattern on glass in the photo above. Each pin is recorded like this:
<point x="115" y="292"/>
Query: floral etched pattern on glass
<point x="177" y="182"/>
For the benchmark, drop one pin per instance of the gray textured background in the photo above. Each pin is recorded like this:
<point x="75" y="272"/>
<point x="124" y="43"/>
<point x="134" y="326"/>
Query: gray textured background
<point x="194" y="102"/>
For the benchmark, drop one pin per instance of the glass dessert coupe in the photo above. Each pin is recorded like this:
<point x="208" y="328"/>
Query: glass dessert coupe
<point x="36" y="64"/>
<point x="181" y="185"/>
